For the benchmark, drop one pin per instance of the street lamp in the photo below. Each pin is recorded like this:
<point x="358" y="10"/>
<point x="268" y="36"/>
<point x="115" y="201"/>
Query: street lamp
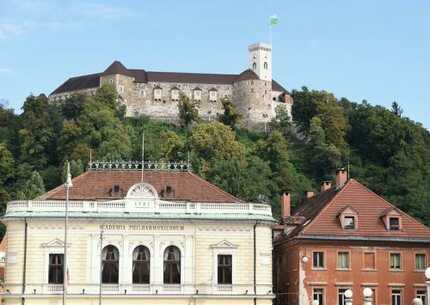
<point x="417" y="301"/>
<point x="367" y="293"/>
<point x="348" y="297"/>
<point x="315" y="302"/>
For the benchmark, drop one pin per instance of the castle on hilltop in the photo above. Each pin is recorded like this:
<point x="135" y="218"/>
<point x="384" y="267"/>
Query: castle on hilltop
<point x="156" y="94"/>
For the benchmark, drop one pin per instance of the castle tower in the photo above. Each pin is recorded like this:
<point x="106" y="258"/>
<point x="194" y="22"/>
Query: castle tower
<point x="260" y="60"/>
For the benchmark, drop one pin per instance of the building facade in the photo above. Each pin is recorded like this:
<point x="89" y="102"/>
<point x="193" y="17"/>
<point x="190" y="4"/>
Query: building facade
<point x="153" y="237"/>
<point x="156" y="94"/>
<point x="347" y="237"/>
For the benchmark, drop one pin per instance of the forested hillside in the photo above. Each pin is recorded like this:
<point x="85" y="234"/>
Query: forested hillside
<point x="385" y="151"/>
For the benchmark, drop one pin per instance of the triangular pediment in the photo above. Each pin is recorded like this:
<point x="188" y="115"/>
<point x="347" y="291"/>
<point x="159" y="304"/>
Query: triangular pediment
<point x="55" y="243"/>
<point x="224" y="244"/>
<point x="348" y="210"/>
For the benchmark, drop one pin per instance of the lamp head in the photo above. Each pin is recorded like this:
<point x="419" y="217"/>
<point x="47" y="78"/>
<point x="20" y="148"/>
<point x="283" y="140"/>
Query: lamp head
<point x="427" y="273"/>
<point x="367" y="292"/>
<point x="348" y="293"/>
<point x="315" y="302"/>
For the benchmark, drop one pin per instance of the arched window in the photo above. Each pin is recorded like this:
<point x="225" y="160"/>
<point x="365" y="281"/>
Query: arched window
<point x="141" y="264"/>
<point x="110" y="265"/>
<point x="254" y="66"/>
<point x="172" y="265"/>
<point x="266" y="66"/>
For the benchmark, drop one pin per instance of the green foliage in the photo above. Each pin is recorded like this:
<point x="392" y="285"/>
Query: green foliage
<point x="231" y="116"/>
<point x="188" y="111"/>
<point x="387" y="152"/>
<point x="32" y="188"/>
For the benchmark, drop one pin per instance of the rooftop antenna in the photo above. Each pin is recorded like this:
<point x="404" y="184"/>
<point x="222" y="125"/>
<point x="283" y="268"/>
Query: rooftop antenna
<point x="143" y="155"/>
<point x="91" y="156"/>
<point x="188" y="161"/>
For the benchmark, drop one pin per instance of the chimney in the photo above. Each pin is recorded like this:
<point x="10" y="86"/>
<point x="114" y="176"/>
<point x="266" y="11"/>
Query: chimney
<point x="309" y="194"/>
<point x="341" y="177"/>
<point x="325" y="185"/>
<point x="285" y="205"/>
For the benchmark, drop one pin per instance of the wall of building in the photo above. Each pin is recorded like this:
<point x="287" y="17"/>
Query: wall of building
<point x="296" y="279"/>
<point x="199" y="243"/>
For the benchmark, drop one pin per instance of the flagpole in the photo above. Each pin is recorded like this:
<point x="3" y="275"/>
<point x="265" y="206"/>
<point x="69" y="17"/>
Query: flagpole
<point x="67" y="185"/>
<point x="143" y="155"/>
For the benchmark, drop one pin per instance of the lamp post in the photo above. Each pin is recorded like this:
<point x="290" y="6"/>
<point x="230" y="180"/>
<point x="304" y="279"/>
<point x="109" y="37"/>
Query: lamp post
<point x="348" y="297"/>
<point x="367" y="294"/>
<point x="427" y="274"/>
<point x="417" y="301"/>
<point x="315" y="302"/>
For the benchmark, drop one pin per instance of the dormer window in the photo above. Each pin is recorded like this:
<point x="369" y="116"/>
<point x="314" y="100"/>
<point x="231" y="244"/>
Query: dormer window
<point x="392" y="219"/>
<point x="394" y="223"/>
<point x="348" y="218"/>
<point x="349" y="222"/>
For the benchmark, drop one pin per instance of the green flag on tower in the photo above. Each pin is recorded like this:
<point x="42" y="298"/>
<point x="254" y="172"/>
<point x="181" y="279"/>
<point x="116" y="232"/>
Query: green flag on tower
<point x="273" y="20"/>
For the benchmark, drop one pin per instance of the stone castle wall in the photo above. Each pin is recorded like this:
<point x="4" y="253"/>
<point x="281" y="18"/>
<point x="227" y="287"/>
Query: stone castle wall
<point x="254" y="99"/>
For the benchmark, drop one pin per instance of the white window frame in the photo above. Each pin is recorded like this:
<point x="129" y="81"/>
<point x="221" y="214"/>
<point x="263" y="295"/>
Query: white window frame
<point x="400" y="261"/>
<point x="323" y="294"/>
<point x="338" y="267"/>
<point x="213" y="95"/>
<point x="223" y="248"/>
<point x="425" y="261"/>
<point x="158" y="94"/>
<point x="197" y="95"/>
<point x="400" y="294"/>
<point x="174" y="95"/>
<point x="422" y="296"/>
<point x="323" y="260"/>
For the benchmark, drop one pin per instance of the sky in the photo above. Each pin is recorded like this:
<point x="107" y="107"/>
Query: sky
<point x="373" y="50"/>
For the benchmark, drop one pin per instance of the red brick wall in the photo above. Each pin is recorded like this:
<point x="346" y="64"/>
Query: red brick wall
<point x="382" y="279"/>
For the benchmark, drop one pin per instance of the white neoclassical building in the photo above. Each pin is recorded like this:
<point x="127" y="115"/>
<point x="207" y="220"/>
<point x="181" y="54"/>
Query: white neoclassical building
<point x="158" y="236"/>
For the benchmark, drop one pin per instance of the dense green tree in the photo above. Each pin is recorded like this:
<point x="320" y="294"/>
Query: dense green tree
<point x="188" y="111"/>
<point x="32" y="188"/>
<point x="231" y="117"/>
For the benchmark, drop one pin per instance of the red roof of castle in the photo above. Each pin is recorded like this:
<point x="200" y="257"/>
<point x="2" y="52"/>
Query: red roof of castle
<point x="170" y="185"/>
<point x="321" y="215"/>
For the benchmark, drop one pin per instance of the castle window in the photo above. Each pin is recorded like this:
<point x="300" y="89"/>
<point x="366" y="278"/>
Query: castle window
<point x="197" y="94"/>
<point x="142" y="93"/>
<point x="266" y="66"/>
<point x="254" y="66"/>
<point x="157" y="94"/>
<point x="175" y="95"/>
<point x="110" y="265"/>
<point x="213" y="95"/>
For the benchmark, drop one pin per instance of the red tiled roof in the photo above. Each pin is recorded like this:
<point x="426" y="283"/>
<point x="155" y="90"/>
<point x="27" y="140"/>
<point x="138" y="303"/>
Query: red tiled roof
<point x="99" y="185"/>
<point x="321" y="214"/>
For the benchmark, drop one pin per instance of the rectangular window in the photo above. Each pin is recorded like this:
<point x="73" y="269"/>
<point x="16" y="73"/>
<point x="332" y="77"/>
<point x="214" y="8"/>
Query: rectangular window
<point x="213" y="95"/>
<point x="421" y="294"/>
<point x="396" y="297"/>
<point x="224" y="269"/>
<point x="318" y="294"/>
<point x="197" y="95"/>
<point x="341" y="300"/>
<point x="349" y="222"/>
<point x="395" y="261"/>
<point x="175" y="95"/>
<point x="343" y="260"/>
<point x="55" y="275"/>
<point x="420" y="261"/>
<point x="318" y="260"/>
<point x="394" y="223"/>
<point x="369" y="260"/>
<point x="157" y="94"/>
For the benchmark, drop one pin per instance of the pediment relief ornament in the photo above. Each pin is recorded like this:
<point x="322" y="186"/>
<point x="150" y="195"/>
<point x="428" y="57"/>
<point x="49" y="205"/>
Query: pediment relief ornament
<point x="55" y="243"/>
<point x="142" y="191"/>
<point x="224" y="244"/>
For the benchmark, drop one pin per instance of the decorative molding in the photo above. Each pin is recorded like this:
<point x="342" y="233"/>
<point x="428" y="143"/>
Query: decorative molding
<point x="55" y="243"/>
<point x="142" y="191"/>
<point x="183" y="166"/>
<point x="224" y="244"/>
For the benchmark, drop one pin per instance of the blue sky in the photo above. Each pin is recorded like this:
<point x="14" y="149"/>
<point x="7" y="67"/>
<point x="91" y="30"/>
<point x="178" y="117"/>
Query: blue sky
<point x="373" y="50"/>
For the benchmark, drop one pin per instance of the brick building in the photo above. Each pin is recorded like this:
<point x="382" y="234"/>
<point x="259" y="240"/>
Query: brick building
<point x="348" y="237"/>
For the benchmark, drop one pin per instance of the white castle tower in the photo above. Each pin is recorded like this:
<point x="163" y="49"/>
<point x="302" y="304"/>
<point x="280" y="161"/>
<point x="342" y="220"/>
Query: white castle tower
<point x="260" y="60"/>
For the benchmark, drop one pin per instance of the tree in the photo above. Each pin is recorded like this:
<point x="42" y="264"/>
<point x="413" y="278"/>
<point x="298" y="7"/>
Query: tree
<point x="231" y="116"/>
<point x="396" y="109"/>
<point x="171" y="145"/>
<point x="188" y="111"/>
<point x="33" y="187"/>
<point x="282" y="121"/>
